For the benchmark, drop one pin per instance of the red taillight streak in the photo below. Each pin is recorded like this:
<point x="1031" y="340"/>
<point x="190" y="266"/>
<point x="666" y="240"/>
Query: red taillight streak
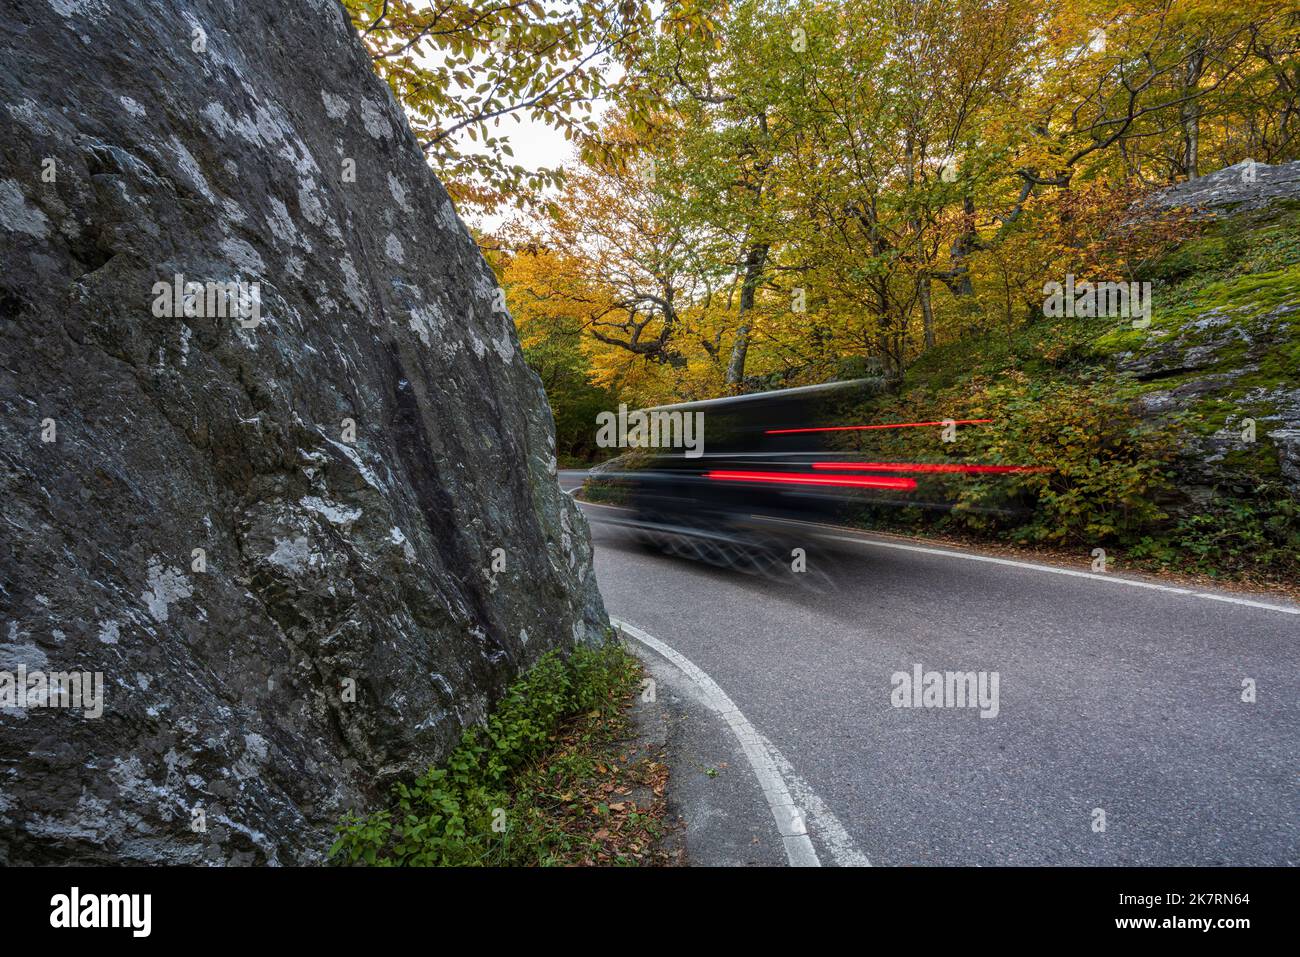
<point x="925" y="467"/>
<point x="792" y="478"/>
<point x="891" y="425"/>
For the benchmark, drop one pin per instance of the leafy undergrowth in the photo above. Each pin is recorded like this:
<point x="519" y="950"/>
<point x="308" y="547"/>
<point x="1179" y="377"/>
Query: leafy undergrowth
<point x="553" y="779"/>
<point x="1113" y="476"/>
<point x="1108" y="481"/>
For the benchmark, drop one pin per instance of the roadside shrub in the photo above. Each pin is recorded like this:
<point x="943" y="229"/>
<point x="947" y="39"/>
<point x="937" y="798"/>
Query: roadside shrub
<point x="445" y="816"/>
<point x="1104" y="475"/>
<point x="1259" y="538"/>
<point x="1106" y="467"/>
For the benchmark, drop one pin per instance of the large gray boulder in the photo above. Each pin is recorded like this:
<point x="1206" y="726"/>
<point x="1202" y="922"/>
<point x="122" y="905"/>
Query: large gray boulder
<point x="1245" y="186"/>
<point x="349" y="451"/>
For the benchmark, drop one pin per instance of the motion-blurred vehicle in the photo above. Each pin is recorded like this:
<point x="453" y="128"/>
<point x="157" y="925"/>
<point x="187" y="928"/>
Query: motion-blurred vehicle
<point x="771" y="465"/>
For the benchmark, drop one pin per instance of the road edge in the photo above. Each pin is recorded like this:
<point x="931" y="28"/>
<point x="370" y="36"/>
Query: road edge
<point x="789" y="817"/>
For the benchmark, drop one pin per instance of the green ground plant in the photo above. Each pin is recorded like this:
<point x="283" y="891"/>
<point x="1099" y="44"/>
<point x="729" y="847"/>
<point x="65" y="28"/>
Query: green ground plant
<point x="527" y="787"/>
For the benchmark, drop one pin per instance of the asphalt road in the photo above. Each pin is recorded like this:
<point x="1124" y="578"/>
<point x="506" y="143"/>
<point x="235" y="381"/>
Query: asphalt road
<point x="1112" y="699"/>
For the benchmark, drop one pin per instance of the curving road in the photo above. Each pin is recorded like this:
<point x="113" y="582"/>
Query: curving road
<point x="1114" y="696"/>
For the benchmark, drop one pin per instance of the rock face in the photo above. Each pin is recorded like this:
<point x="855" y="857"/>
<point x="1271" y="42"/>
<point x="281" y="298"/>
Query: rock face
<point x="1246" y="186"/>
<point x="304" y="522"/>
<point x="1228" y="356"/>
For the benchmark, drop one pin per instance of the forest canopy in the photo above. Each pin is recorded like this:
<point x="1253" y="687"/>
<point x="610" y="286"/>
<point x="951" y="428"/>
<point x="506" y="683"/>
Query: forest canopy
<point x="780" y="192"/>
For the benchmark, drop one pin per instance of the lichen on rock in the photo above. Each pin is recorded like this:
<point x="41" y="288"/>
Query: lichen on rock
<point x="266" y="531"/>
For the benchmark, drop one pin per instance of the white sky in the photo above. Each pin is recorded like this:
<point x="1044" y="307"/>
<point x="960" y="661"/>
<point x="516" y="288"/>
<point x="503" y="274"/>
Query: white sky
<point x="536" y="145"/>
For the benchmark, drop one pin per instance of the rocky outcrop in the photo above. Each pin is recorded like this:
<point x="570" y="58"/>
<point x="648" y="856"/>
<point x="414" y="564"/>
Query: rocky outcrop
<point x="271" y="460"/>
<point x="1230" y="357"/>
<point x="1245" y="186"/>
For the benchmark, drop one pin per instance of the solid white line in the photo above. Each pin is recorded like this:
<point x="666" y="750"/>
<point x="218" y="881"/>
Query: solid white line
<point x="769" y="766"/>
<point x="572" y="492"/>
<point x="1033" y="566"/>
<point x="875" y="543"/>
<point x="789" y="819"/>
<point x="828" y="826"/>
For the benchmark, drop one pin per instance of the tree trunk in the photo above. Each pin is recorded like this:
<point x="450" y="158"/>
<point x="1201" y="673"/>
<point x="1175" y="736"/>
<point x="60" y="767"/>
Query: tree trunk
<point x="1192" y="115"/>
<point x="927" y="314"/>
<point x="923" y="277"/>
<point x="755" y="261"/>
<point x="957" y="276"/>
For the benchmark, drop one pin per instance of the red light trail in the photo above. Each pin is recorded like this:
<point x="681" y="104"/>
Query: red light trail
<point x="927" y="467"/>
<point x="863" y="428"/>
<point x="792" y="478"/>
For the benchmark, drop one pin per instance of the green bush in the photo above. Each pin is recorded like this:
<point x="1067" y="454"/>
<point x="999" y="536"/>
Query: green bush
<point x="445" y="816"/>
<point x="1259" y="537"/>
<point x="1104" y="468"/>
<point x="1105" y="474"/>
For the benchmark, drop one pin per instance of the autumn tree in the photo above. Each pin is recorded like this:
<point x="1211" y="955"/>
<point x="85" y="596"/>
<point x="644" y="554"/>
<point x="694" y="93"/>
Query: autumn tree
<point x="461" y="67"/>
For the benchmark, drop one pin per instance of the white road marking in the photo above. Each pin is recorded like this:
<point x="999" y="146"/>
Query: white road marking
<point x="775" y="775"/>
<point x="573" y="492"/>
<point x="1053" y="569"/>
<point x="827" y="825"/>
<point x="789" y="818"/>
<point x="1033" y="566"/>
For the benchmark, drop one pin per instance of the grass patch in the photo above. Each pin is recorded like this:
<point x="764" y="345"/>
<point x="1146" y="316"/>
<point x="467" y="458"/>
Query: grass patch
<point x="550" y="780"/>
